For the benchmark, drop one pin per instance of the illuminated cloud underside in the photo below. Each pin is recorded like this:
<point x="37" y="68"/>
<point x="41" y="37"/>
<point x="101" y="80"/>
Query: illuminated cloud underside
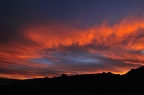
<point x="53" y="49"/>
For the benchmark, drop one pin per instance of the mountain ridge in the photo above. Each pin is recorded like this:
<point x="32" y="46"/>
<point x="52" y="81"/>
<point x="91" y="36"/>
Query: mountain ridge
<point x="130" y="83"/>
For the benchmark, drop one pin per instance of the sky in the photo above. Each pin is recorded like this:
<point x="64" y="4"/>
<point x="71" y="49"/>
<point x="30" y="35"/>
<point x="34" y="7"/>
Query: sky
<point x="46" y="38"/>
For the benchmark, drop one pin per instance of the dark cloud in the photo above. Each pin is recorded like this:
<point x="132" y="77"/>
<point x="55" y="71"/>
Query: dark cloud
<point x="77" y="58"/>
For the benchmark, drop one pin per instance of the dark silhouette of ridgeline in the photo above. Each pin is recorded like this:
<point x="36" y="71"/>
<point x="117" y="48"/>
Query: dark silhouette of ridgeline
<point x="131" y="83"/>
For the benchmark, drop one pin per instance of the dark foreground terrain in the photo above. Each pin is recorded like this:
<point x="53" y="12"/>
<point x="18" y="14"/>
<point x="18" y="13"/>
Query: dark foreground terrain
<point x="132" y="83"/>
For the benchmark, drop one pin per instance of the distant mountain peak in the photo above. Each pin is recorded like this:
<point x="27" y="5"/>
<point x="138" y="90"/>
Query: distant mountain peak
<point x="136" y="73"/>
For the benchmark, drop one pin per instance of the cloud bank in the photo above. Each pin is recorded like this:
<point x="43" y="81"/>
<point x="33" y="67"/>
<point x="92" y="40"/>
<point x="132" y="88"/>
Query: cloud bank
<point x="56" y="48"/>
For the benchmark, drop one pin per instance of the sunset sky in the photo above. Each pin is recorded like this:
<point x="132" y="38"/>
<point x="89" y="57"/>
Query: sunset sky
<point x="46" y="38"/>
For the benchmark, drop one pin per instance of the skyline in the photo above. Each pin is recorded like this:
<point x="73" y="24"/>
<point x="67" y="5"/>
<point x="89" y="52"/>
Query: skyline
<point x="49" y="38"/>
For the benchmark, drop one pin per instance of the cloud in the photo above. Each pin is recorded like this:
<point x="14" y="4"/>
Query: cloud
<point x="53" y="49"/>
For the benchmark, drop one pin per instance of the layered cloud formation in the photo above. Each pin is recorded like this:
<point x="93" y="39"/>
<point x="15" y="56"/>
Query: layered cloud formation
<point x="52" y="49"/>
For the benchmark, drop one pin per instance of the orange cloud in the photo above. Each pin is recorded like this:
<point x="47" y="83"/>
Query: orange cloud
<point x="61" y="48"/>
<point x="122" y="38"/>
<point x="127" y="34"/>
<point x="60" y="34"/>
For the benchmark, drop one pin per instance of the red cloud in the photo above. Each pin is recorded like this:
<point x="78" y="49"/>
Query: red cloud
<point x="122" y="42"/>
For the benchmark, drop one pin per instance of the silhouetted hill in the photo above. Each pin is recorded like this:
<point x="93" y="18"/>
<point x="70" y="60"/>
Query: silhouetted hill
<point x="129" y="84"/>
<point x="137" y="73"/>
<point x="5" y="81"/>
